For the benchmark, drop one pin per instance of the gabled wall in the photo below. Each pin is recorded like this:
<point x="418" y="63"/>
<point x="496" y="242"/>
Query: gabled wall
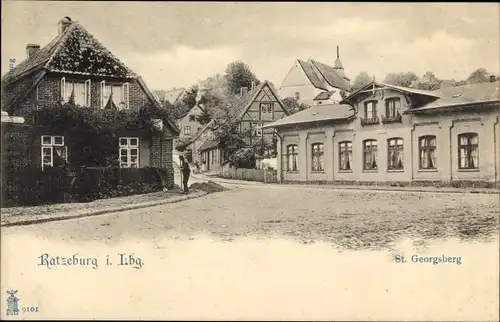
<point x="296" y="81"/>
<point x="185" y="121"/>
<point x="255" y="114"/>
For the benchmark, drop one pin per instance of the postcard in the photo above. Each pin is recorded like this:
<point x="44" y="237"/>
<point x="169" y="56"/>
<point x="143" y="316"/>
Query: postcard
<point x="250" y="161"/>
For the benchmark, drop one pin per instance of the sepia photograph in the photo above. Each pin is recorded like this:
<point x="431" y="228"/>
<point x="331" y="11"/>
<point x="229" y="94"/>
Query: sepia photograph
<point x="183" y="160"/>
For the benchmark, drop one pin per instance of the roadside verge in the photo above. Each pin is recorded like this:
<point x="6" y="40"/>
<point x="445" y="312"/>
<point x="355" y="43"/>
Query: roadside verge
<point x="225" y="181"/>
<point x="36" y="215"/>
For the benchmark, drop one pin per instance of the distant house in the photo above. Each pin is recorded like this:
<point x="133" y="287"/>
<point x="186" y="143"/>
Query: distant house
<point x="76" y="67"/>
<point x="390" y="134"/>
<point x="251" y="110"/>
<point x="188" y="123"/>
<point x="172" y="96"/>
<point x="307" y="80"/>
<point x="323" y="98"/>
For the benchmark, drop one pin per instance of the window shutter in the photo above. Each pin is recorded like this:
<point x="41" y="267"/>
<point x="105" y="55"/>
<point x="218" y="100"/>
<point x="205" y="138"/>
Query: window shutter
<point x="125" y="90"/>
<point x="87" y="93"/>
<point x="63" y="89"/>
<point x="103" y="87"/>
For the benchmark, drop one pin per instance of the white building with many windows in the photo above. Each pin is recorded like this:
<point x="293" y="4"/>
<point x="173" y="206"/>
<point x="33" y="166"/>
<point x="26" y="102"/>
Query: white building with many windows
<point x="384" y="133"/>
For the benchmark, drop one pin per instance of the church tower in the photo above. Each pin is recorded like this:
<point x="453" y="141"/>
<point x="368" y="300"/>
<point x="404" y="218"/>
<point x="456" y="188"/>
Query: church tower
<point x="339" y="68"/>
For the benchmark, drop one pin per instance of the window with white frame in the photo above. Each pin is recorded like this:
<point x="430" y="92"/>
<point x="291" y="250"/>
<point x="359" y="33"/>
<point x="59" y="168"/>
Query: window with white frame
<point x="129" y="152"/>
<point x="119" y="94"/>
<point x="266" y="107"/>
<point x="54" y="152"/>
<point x="187" y="130"/>
<point x="76" y="91"/>
<point x="257" y="129"/>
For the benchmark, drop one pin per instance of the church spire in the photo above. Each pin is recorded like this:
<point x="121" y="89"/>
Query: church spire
<point x="339" y="68"/>
<point x="338" y="63"/>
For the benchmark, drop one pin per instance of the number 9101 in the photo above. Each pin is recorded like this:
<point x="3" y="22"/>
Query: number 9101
<point x="27" y="309"/>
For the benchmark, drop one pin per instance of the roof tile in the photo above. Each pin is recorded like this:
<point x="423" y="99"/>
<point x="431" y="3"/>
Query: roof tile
<point x="462" y="95"/>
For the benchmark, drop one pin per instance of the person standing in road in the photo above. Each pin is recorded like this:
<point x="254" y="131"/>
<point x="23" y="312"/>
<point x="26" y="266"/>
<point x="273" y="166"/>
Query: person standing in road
<point x="186" y="171"/>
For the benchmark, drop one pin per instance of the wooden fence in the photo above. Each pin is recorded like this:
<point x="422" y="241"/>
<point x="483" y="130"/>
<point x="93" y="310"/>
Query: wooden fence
<point x="267" y="176"/>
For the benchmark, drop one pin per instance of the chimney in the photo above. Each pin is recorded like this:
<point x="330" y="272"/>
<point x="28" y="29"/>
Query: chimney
<point x="64" y="24"/>
<point x="338" y="52"/>
<point x="253" y="85"/>
<point x="493" y="78"/>
<point x="32" y="49"/>
<point x="243" y="91"/>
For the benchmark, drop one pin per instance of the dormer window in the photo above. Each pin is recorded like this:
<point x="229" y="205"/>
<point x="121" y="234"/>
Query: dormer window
<point x="370" y="116"/>
<point x="371" y="110"/>
<point x="114" y="95"/>
<point x="393" y="107"/>
<point x="76" y="91"/>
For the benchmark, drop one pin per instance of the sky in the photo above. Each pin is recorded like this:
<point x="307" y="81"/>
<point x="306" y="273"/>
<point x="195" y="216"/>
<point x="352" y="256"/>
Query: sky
<point x="176" y="44"/>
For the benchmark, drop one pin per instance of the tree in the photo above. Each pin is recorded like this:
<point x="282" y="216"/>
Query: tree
<point x="480" y="75"/>
<point x="226" y="132"/>
<point x="401" y="79"/>
<point x="291" y="104"/>
<point x="205" y="117"/>
<point x="238" y="75"/>
<point x="172" y="111"/>
<point x="361" y="80"/>
<point x="428" y="82"/>
<point x="190" y="98"/>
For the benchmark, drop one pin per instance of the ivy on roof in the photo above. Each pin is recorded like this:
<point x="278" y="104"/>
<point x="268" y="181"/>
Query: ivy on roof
<point x="82" y="54"/>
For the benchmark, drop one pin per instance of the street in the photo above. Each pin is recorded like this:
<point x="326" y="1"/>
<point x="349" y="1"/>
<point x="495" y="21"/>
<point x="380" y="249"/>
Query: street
<point x="229" y="254"/>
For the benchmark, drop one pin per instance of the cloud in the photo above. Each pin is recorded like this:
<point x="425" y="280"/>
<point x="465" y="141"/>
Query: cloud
<point x="181" y="66"/>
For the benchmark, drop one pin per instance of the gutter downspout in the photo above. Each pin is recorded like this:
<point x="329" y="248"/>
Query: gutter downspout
<point x="451" y="151"/>
<point x="496" y="148"/>
<point x="412" y="135"/>
<point x="280" y="161"/>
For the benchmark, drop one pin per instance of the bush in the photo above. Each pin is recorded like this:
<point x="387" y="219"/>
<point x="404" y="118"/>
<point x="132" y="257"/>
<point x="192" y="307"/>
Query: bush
<point x="243" y="158"/>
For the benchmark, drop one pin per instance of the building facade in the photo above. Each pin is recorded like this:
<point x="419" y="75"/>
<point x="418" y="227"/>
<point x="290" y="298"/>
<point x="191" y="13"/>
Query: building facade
<point x="390" y="134"/>
<point x="189" y="124"/>
<point x="250" y="111"/>
<point x="312" y="81"/>
<point x="171" y="96"/>
<point x="75" y="67"/>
